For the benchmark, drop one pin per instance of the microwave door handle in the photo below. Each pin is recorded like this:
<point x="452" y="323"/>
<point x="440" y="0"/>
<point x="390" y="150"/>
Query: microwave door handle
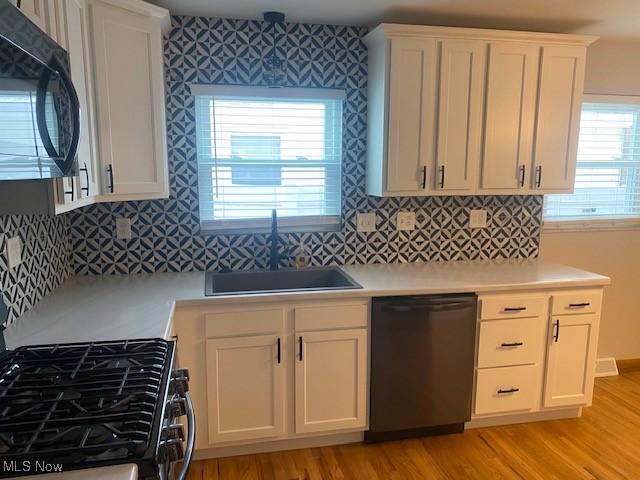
<point x="55" y="65"/>
<point x="41" y="115"/>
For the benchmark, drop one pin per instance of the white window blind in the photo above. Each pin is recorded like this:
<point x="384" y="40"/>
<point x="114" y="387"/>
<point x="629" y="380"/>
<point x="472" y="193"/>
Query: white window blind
<point x="607" y="184"/>
<point x="261" y="149"/>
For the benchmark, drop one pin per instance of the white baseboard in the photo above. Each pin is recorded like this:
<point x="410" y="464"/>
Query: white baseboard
<point x="606" y="367"/>
<point x="524" y="417"/>
<point x="279" y="445"/>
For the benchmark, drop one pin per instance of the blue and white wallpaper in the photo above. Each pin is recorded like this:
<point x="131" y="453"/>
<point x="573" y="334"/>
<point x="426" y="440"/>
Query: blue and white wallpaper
<point x="166" y="235"/>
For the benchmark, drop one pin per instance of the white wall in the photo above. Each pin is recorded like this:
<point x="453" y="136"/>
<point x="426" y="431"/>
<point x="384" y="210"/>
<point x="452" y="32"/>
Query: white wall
<point x="613" y="68"/>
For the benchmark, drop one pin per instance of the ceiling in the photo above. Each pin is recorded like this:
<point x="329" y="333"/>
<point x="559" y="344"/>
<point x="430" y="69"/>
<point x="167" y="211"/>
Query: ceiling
<point x="607" y="18"/>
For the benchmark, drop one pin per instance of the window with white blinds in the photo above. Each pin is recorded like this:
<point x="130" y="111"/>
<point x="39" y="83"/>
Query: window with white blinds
<point x="607" y="185"/>
<point x="261" y="149"/>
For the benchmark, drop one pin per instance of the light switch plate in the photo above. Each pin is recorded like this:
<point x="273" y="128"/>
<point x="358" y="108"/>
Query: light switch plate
<point x="478" y="219"/>
<point x="123" y="228"/>
<point x="366" y="222"/>
<point x="406" y="220"/>
<point x="14" y="251"/>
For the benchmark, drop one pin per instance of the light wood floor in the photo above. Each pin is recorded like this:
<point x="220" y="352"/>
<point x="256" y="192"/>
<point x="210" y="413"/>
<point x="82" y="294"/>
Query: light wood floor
<point x="603" y="444"/>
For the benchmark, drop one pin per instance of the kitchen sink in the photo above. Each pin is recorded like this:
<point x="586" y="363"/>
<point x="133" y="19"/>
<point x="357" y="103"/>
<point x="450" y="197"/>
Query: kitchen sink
<point x="266" y="281"/>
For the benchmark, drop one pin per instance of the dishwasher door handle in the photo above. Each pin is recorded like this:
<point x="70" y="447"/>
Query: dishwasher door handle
<point x="433" y="307"/>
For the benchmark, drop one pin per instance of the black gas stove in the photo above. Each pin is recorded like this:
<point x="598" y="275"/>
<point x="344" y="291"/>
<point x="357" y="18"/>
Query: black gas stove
<point x="93" y="404"/>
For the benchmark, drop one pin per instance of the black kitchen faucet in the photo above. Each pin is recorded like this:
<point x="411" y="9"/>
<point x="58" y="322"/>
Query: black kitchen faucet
<point x="274" y="258"/>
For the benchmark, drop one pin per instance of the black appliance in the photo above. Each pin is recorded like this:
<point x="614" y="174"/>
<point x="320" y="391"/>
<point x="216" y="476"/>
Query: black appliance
<point x="39" y="108"/>
<point x="422" y="358"/>
<point x="84" y="405"/>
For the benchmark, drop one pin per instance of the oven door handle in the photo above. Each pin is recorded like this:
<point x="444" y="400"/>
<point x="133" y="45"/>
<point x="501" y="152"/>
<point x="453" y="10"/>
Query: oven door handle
<point x="191" y="439"/>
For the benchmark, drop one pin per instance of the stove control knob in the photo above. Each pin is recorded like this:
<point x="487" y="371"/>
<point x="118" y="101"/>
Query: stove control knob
<point x="178" y="407"/>
<point x="170" y="451"/>
<point x="174" y="432"/>
<point x="180" y="382"/>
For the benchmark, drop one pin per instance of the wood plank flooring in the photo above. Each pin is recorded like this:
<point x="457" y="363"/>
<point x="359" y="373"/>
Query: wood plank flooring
<point x="603" y="444"/>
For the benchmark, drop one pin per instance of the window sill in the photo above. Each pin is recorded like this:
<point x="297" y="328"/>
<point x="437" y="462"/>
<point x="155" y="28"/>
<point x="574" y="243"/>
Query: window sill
<point x="601" y="225"/>
<point x="263" y="225"/>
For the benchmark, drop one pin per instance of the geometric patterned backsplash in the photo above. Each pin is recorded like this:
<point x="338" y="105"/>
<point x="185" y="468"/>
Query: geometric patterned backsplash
<point x="45" y="259"/>
<point x="166" y="233"/>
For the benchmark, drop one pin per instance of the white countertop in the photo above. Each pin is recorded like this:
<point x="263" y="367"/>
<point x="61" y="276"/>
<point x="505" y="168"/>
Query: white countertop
<point x="141" y="306"/>
<point x="115" y="472"/>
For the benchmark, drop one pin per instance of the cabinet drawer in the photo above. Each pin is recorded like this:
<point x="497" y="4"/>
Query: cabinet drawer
<point x="511" y="306"/>
<point x="582" y="301"/>
<point x="507" y="389"/>
<point x="331" y="317"/>
<point x="244" y="322"/>
<point x="510" y="342"/>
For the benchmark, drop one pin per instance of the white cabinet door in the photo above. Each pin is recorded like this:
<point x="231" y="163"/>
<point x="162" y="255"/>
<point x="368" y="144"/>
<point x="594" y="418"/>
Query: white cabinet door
<point x="331" y="380"/>
<point x="245" y="388"/>
<point x="128" y="64"/>
<point x="34" y="10"/>
<point x="571" y="360"/>
<point x="558" y="118"/>
<point x="73" y="36"/>
<point x="512" y="83"/>
<point x="411" y="114"/>
<point x="459" y="124"/>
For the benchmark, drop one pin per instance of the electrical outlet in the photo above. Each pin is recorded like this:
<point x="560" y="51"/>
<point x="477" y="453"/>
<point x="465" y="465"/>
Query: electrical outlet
<point x="477" y="219"/>
<point x="366" y="222"/>
<point x="123" y="228"/>
<point x="14" y="251"/>
<point x="406" y="220"/>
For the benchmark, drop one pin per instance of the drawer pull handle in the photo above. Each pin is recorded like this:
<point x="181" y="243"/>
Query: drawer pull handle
<point x="512" y="344"/>
<point x="579" y="305"/>
<point x="515" y="309"/>
<point x="279" y="351"/>
<point x="300" y="342"/>
<point x="510" y="390"/>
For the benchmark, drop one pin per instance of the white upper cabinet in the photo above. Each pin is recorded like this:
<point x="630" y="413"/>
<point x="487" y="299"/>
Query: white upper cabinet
<point x="129" y="80"/>
<point x="490" y="112"/>
<point x="411" y="108"/>
<point x="81" y="190"/>
<point x="37" y="11"/>
<point x="558" y="121"/>
<point x="512" y="83"/>
<point x="459" y="122"/>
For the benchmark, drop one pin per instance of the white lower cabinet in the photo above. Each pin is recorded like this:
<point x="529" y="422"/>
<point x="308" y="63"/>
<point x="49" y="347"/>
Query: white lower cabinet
<point x="276" y="371"/>
<point x="536" y="352"/>
<point x="331" y="380"/>
<point x="246" y="388"/>
<point x="508" y="389"/>
<point x="571" y="347"/>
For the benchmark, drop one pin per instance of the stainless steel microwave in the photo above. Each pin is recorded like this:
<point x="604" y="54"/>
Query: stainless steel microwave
<point x="39" y="108"/>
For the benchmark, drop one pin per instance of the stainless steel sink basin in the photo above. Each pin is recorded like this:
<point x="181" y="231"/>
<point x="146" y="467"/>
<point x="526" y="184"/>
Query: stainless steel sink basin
<point x="266" y="281"/>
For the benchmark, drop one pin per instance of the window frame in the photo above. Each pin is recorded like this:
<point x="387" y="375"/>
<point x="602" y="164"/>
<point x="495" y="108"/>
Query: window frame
<point x="306" y="223"/>
<point x="596" y="224"/>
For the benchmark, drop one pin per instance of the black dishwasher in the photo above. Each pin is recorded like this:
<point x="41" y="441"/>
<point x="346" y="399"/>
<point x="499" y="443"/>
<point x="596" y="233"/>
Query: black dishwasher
<point x="422" y="357"/>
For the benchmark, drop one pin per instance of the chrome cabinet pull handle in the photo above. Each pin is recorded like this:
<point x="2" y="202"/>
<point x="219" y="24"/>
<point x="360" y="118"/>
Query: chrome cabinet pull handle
<point x="110" y="172"/>
<point x="85" y="169"/>
<point x="523" y="169"/>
